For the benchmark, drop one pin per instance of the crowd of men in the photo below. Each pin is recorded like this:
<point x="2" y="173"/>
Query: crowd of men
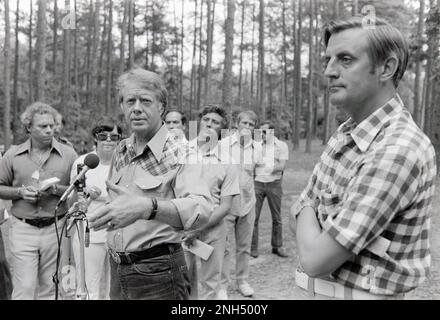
<point x="164" y="201"/>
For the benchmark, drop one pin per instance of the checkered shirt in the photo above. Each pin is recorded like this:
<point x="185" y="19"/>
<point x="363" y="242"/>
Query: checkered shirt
<point x="173" y="153"/>
<point x="373" y="187"/>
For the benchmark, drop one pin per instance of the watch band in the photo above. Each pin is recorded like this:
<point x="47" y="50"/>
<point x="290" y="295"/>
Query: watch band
<point x="153" y="210"/>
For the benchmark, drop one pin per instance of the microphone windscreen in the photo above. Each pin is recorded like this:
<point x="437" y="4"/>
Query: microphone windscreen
<point x="91" y="160"/>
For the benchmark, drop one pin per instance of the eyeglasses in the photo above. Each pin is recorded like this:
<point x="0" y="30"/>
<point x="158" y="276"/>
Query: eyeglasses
<point x="103" y="136"/>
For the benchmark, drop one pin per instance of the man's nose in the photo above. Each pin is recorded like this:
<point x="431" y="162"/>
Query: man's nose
<point x="137" y="106"/>
<point x="331" y="70"/>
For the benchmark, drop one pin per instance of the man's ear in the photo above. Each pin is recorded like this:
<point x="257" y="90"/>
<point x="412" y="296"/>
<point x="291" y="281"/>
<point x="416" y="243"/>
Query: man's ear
<point x="161" y="111"/>
<point x="389" y="68"/>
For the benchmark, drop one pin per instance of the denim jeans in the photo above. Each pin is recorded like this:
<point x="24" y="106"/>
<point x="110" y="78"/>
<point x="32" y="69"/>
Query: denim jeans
<point x="159" y="278"/>
<point x="273" y="192"/>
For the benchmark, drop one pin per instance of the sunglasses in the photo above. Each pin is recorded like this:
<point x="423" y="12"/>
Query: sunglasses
<point x="102" y="136"/>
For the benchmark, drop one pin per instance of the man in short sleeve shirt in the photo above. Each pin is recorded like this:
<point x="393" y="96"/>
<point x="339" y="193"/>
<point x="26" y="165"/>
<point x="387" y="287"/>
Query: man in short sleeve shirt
<point x="32" y="236"/>
<point x="363" y="221"/>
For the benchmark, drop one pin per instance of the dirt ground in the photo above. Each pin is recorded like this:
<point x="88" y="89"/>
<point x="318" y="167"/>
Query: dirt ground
<point x="272" y="277"/>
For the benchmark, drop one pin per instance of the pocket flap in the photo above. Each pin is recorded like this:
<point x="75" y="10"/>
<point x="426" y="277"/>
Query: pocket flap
<point x="146" y="181"/>
<point x="116" y="177"/>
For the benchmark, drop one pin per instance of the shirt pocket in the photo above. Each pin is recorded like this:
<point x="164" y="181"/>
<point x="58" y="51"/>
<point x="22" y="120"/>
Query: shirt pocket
<point x="149" y="185"/>
<point x="115" y="179"/>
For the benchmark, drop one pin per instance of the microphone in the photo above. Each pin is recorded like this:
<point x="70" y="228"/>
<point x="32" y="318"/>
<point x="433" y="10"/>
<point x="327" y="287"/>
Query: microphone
<point x="91" y="161"/>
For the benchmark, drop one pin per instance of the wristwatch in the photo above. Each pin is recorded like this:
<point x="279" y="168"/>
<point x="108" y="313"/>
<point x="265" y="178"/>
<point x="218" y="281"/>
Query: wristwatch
<point x="153" y="210"/>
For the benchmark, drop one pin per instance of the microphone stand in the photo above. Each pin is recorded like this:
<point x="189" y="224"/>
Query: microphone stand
<point x="78" y="217"/>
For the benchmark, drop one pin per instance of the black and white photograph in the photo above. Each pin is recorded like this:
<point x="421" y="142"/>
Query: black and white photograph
<point x="237" y="151"/>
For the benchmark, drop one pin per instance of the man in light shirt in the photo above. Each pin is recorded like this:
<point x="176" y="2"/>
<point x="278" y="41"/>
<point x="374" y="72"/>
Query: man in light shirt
<point x="240" y="222"/>
<point x="268" y="184"/>
<point x="222" y="179"/>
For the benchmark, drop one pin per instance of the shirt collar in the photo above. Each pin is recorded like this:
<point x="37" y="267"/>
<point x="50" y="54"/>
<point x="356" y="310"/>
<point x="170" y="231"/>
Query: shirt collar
<point x="26" y="147"/>
<point x="364" y="133"/>
<point x="156" y="144"/>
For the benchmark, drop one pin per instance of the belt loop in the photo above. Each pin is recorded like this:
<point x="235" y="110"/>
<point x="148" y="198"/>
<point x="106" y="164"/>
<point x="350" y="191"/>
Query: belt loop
<point x="348" y="293"/>
<point x="311" y="286"/>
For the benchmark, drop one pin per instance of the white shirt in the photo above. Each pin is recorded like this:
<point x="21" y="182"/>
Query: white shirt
<point x="272" y="153"/>
<point x="94" y="177"/>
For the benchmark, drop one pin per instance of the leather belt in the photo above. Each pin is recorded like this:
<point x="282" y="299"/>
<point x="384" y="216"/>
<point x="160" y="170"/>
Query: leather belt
<point x="156" y="251"/>
<point x="41" y="222"/>
<point x="336" y="290"/>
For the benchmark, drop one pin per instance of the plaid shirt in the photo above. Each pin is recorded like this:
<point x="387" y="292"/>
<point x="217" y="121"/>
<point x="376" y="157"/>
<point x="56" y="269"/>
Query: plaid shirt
<point x="372" y="191"/>
<point x="161" y="170"/>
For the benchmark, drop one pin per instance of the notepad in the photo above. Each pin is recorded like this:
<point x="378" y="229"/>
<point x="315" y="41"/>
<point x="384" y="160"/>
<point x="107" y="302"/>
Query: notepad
<point x="200" y="249"/>
<point x="46" y="184"/>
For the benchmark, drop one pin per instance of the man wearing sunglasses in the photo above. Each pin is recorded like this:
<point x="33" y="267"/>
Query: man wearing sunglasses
<point x="155" y="193"/>
<point x="106" y="135"/>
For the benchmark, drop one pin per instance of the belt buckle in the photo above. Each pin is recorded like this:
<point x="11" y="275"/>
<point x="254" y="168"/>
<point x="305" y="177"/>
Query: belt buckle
<point x="116" y="258"/>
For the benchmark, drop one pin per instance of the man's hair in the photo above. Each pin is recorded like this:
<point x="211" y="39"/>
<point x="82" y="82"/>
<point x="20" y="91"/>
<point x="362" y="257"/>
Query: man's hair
<point x="146" y="80"/>
<point x="250" y="114"/>
<point x="384" y="40"/>
<point x="182" y="115"/>
<point x="38" y="107"/>
<point x="213" y="108"/>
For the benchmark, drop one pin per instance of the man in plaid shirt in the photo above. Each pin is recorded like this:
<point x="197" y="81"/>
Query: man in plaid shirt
<point x="156" y="191"/>
<point x="363" y="221"/>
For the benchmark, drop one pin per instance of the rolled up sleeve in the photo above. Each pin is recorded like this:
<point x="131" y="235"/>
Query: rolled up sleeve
<point x="193" y="201"/>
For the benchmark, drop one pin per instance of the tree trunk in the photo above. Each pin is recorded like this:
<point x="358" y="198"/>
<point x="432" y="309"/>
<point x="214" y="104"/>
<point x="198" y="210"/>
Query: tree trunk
<point x="417" y="58"/>
<point x="199" y="84"/>
<point x="229" y="45"/>
<point x="130" y="34"/>
<point x="192" y="100"/>
<point x="122" y="44"/>
<point x="75" y="56"/>
<point x="88" y="54"/>
<point x="103" y="45"/>
<point x="15" y="106"/>
<point x="243" y="7"/>
<point x="55" y="36"/>
<point x="94" y="66"/>
<point x="432" y="30"/>
<point x="261" y="65"/>
<point x="310" y="91"/>
<point x="41" y="51"/>
<point x="284" y="54"/>
<point x="65" y="82"/>
<point x="30" y="57"/>
<point x="354" y="7"/>
<point x="252" y="54"/>
<point x="181" y="58"/>
<point x="6" y="65"/>
<point x="210" y="14"/>
<point x="108" y="69"/>
<point x="298" y="84"/>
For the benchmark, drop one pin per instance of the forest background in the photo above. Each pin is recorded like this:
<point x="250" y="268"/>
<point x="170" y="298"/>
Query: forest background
<point x="264" y="55"/>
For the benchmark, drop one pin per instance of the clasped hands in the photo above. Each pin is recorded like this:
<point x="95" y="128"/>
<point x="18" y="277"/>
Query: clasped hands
<point x="123" y="210"/>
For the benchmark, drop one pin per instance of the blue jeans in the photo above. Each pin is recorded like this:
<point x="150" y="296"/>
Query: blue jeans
<point x="159" y="278"/>
<point x="273" y="192"/>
